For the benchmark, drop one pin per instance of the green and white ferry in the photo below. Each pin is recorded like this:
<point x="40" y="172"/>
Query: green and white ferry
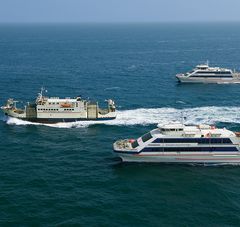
<point x="55" y="109"/>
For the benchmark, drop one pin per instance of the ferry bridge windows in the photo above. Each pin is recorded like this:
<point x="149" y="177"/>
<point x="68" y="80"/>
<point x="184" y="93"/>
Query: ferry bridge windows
<point x="146" y="137"/>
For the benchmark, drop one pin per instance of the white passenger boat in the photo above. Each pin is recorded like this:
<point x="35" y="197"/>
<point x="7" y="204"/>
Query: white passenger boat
<point x="206" y="74"/>
<point x="179" y="143"/>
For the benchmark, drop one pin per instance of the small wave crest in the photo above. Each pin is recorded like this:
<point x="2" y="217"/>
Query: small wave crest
<point x="111" y="88"/>
<point x="143" y="116"/>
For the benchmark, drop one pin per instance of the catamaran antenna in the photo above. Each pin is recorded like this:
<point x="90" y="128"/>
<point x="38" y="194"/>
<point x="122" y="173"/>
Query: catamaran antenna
<point x="182" y="118"/>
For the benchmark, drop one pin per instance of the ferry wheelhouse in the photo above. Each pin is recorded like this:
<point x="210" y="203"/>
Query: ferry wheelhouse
<point x="179" y="143"/>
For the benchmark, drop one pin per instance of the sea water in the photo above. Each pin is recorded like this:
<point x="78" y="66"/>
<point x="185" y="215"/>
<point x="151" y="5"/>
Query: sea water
<point x="67" y="174"/>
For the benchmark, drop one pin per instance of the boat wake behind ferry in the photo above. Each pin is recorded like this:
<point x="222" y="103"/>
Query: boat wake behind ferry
<point x="144" y="116"/>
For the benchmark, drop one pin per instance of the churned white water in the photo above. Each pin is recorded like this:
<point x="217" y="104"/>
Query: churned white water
<point x="143" y="116"/>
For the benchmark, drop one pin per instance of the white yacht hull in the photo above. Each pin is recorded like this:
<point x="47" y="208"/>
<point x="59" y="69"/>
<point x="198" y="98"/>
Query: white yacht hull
<point x="204" y="158"/>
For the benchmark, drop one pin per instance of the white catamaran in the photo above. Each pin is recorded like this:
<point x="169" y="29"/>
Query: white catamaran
<point x="206" y="74"/>
<point x="179" y="143"/>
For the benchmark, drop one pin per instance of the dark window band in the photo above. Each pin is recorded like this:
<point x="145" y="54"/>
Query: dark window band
<point x="206" y="76"/>
<point x="194" y="140"/>
<point x="216" y="72"/>
<point x="188" y="149"/>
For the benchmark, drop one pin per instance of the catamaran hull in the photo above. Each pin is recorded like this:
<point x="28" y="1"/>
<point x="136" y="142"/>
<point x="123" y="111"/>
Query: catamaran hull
<point x="183" y="79"/>
<point x="209" y="158"/>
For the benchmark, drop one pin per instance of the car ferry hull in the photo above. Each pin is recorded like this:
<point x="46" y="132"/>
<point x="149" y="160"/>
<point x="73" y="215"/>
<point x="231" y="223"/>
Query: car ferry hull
<point x="62" y="120"/>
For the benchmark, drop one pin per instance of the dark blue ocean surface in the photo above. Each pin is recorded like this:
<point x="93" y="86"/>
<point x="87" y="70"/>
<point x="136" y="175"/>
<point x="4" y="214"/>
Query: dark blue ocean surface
<point x="67" y="174"/>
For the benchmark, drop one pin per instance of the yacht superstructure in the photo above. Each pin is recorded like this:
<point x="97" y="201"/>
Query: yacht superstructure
<point x="55" y="109"/>
<point x="205" y="74"/>
<point x="179" y="143"/>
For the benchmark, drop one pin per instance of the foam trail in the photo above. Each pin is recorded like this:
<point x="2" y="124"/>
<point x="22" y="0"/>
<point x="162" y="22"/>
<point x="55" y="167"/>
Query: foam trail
<point x="15" y="121"/>
<point x="142" y="116"/>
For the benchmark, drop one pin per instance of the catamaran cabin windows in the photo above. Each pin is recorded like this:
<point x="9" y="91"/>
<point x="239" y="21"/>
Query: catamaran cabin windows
<point x="135" y="144"/>
<point x="214" y="72"/>
<point x="188" y="149"/>
<point x="171" y="130"/>
<point x="146" y="137"/>
<point x="194" y="140"/>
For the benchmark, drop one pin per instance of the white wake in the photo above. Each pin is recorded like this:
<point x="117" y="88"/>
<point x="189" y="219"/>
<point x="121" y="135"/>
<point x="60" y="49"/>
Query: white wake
<point x="142" y="116"/>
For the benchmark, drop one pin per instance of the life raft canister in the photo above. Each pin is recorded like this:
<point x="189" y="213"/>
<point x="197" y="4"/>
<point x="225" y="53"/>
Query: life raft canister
<point x="66" y="105"/>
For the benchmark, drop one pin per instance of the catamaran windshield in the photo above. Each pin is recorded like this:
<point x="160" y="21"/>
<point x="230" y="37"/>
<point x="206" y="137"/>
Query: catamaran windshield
<point x="146" y="137"/>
